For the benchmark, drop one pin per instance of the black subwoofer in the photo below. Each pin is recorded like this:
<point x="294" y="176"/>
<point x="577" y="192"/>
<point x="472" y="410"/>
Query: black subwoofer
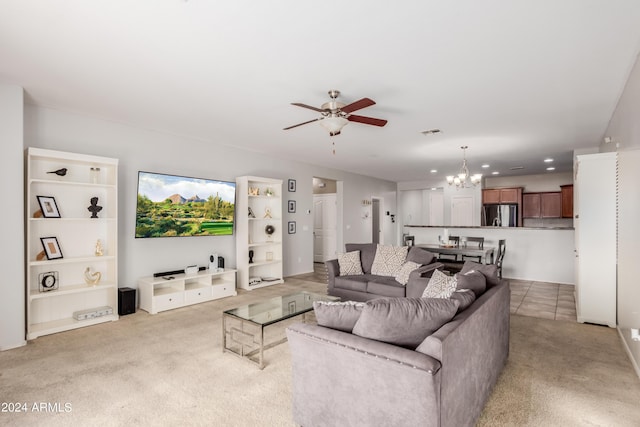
<point x="126" y="301"/>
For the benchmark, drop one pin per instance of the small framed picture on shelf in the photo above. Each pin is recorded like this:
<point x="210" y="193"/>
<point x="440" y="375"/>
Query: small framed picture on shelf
<point x="291" y="206"/>
<point x="51" y="247"/>
<point x="292" y="227"/>
<point x="48" y="207"/>
<point x="292" y="185"/>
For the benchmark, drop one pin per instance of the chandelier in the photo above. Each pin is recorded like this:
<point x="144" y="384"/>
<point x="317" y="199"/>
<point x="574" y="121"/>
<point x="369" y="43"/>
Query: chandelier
<point x="460" y="180"/>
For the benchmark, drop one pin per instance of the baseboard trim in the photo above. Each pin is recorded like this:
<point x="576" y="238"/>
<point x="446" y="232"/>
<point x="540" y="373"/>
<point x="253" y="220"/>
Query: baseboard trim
<point x="628" y="350"/>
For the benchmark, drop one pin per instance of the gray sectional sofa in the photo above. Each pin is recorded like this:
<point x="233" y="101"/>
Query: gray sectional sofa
<point x="340" y="378"/>
<point x="368" y="286"/>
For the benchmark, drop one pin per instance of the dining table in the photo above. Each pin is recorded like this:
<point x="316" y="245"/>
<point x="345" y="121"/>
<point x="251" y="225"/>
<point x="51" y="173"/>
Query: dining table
<point x="485" y="254"/>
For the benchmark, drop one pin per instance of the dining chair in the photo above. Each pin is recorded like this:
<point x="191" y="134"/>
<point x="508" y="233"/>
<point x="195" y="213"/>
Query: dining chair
<point x="473" y="242"/>
<point x="502" y="248"/>
<point x="455" y="240"/>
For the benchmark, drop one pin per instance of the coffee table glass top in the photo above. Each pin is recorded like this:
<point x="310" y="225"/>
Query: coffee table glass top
<point x="279" y="308"/>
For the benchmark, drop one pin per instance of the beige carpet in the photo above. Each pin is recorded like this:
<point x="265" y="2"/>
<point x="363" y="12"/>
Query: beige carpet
<point x="168" y="369"/>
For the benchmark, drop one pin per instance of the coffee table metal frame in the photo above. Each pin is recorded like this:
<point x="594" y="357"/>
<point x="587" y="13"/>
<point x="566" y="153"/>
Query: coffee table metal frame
<point x="243" y="327"/>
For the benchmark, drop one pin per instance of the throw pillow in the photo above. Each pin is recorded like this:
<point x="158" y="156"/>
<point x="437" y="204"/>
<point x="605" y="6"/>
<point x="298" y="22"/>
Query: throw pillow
<point x="472" y="280"/>
<point x="388" y="260"/>
<point x="440" y="285"/>
<point x="349" y="263"/>
<point x="402" y="276"/>
<point x="490" y="271"/>
<point x="465" y="297"/>
<point x="404" y="322"/>
<point x="420" y="256"/>
<point x="338" y="315"/>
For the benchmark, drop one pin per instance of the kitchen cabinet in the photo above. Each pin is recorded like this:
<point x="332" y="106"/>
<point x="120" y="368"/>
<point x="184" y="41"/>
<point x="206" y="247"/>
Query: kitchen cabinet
<point x="542" y="205"/>
<point x="567" y="200"/>
<point x="501" y="195"/>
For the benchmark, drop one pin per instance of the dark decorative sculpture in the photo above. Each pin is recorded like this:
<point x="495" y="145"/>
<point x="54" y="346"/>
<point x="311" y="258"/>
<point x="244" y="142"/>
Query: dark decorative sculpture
<point x="94" y="208"/>
<point x="250" y="257"/>
<point x="60" y="172"/>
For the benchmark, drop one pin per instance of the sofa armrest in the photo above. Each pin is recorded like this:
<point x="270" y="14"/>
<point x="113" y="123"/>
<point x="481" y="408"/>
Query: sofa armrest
<point x="343" y="379"/>
<point x="419" y="279"/>
<point x="333" y="271"/>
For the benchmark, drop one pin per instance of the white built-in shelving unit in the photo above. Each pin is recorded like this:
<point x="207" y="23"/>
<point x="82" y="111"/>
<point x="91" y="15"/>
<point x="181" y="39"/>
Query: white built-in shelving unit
<point x="263" y="198"/>
<point x="77" y="235"/>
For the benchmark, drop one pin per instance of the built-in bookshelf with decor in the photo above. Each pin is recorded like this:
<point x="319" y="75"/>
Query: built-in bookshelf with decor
<point x="258" y="232"/>
<point x="72" y="230"/>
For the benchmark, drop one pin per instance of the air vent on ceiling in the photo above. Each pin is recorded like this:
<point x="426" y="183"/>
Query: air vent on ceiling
<point x="430" y="131"/>
<point x="516" y="168"/>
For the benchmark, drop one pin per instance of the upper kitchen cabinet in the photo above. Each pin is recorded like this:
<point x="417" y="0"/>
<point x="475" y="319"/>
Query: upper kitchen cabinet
<point x="542" y="205"/>
<point x="567" y="200"/>
<point x="501" y="195"/>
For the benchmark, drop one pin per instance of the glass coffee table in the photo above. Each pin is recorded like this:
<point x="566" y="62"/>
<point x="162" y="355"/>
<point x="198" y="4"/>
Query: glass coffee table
<point x="243" y="327"/>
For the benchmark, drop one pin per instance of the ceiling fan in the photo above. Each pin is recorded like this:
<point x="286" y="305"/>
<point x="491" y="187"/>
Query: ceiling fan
<point x="334" y="115"/>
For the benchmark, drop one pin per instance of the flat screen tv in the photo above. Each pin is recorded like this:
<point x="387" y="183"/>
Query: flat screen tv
<point x="173" y="206"/>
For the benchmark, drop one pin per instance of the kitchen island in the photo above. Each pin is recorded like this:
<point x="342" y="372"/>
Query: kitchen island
<point x="537" y="254"/>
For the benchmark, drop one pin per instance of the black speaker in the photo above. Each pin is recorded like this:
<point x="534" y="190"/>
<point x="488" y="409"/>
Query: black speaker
<point x="220" y="262"/>
<point x="126" y="301"/>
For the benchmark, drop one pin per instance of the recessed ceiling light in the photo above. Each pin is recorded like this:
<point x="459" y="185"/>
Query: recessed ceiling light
<point x="486" y="165"/>
<point x="551" y="168"/>
<point x="548" y="160"/>
<point x="495" y="173"/>
<point x="430" y="131"/>
<point x="433" y="188"/>
<point x="434" y="171"/>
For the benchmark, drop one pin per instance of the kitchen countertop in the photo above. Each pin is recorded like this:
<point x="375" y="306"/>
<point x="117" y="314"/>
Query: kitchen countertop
<point x="490" y="227"/>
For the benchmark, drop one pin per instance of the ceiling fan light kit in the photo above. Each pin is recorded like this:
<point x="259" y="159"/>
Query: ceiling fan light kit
<point x="460" y="180"/>
<point x="335" y="115"/>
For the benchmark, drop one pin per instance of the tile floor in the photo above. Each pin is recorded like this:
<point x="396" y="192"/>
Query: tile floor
<point x="542" y="299"/>
<point x="534" y="299"/>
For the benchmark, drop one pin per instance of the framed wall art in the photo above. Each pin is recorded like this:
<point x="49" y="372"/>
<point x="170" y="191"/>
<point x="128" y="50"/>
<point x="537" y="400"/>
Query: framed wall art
<point x="48" y="206"/>
<point x="51" y="247"/>
<point x="292" y="227"/>
<point x="291" y="206"/>
<point x="292" y="185"/>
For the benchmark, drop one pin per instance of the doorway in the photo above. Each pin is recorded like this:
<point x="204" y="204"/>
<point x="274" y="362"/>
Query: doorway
<point x="376" y="220"/>
<point x="325" y="219"/>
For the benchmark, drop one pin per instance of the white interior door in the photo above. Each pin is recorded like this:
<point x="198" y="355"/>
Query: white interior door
<point x="324" y="227"/>
<point x="462" y="210"/>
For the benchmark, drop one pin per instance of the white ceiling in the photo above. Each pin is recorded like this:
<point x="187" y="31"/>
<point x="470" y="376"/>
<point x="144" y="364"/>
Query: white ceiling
<point x="515" y="80"/>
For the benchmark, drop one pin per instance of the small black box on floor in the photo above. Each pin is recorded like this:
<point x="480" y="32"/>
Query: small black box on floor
<point x="126" y="301"/>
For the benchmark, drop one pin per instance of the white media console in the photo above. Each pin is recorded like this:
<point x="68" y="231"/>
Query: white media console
<point x="179" y="290"/>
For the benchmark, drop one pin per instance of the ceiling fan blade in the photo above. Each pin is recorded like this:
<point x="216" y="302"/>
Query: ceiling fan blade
<point x="366" y="120"/>
<point x="300" y="124"/>
<point x="297" y="104"/>
<point x="358" y="105"/>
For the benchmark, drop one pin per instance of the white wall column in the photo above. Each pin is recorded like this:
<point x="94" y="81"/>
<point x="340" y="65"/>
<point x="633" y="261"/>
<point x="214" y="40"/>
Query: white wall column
<point x="12" y="289"/>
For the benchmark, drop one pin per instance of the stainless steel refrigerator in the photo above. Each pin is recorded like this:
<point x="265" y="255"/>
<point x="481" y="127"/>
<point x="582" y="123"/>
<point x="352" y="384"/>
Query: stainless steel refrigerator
<point x="500" y="215"/>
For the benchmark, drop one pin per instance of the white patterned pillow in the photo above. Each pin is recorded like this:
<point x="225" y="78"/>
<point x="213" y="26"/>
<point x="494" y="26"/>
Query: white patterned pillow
<point x="349" y="263"/>
<point x="402" y="276"/>
<point x="388" y="260"/>
<point x="440" y="286"/>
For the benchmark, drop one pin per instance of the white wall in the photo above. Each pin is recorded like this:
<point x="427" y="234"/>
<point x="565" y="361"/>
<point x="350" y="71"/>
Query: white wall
<point x="142" y="149"/>
<point x="544" y="255"/>
<point x="12" y="288"/>
<point x="624" y="129"/>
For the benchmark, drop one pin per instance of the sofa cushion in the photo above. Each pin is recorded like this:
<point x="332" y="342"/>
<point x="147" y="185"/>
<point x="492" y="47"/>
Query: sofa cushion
<point x="367" y="254"/>
<point x="353" y="283"/>
<point x="420" y="256"/>
<point x="472" y="280"/>
<point x="490" y="271"/>
<point x="349" y="263"/>
<point x="385" y="287"/>
<point x="465" y="297"/>
<point x="338" y="315"/>
<point x="440" y="286"/>
<point x="402" y="275"/>
<point x="388" y="259"/>
<point x="404" y="322"/>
